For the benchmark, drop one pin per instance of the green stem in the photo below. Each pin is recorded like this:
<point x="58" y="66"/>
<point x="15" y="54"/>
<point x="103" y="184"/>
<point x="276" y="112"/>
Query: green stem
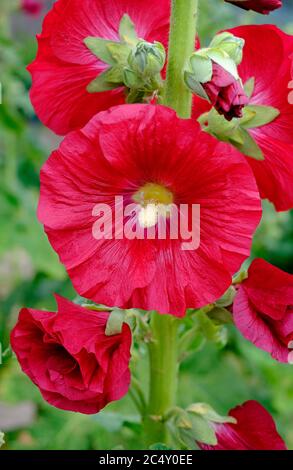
<point x="163" y="349"/>
<point x="181" y="46"/>
<point x="163" y="376"/>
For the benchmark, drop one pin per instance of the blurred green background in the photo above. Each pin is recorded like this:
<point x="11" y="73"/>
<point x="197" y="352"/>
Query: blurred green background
<point x="30" y="272"/>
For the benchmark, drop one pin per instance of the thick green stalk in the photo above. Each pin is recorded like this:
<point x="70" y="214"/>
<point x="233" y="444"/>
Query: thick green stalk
<point x="181" y="46"/>
<point x="163" y="349"/>
<point x="163" y="358"/>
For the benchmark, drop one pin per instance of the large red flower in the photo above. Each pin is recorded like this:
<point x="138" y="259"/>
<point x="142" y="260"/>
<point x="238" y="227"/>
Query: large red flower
<point x="271" y="69"/>
<point x="69" y="357"/>
<point x="148" y="155"/>
<point x="255" y="430"/>
<point x="263" y="309"/>
<point x="64" y="66"/>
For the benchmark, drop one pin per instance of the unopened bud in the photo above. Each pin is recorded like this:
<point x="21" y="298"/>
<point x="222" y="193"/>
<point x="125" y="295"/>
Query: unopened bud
<point x="230" y="44"/>
<point x="147" y="58"/>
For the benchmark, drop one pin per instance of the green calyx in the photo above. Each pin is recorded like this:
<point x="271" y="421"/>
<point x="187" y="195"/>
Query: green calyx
<point x="133" y="63"/>
<point x="236" y="132"/>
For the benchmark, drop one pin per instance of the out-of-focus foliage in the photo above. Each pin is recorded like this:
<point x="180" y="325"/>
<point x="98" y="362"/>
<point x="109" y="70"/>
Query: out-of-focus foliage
<point x="30" y="271"/>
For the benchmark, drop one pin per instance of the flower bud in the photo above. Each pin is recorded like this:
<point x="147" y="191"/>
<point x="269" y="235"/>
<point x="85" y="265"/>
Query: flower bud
<point x="260" y="6"/>
<point x="230" y="44"/>
<point x="147" y="59"/>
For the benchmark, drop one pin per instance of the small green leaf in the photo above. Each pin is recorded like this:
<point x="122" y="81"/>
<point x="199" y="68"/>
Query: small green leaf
<point x="249" y="87"/>
<point x="214" y="333"/>
<point x="257" y="116"/>
<point x="115" y="322"/>
<point x="127" y="31"/>
<point x="119" y="52"/>
<point x="220" y="316"/>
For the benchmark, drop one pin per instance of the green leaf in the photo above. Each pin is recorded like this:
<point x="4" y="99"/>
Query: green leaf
<point x="214" y="333"/>
<point x="249" y="87"/>
<point x="115" y="322"/>
<point x="127" y="31"/>
<point x="257" y="116"/>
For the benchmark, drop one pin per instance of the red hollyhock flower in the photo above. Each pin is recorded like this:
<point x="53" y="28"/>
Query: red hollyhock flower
<point x="64" y="66"/>
<point x="148" y="155"/>
<point x="261" y="6"/>
<point x="69" y="357"/>
<point x="225" y="93"/>
<point x="32" y="7"/>
<point x="271" y="69"/>
<point x="255" y="430"/>
<point x="263" y="309"/>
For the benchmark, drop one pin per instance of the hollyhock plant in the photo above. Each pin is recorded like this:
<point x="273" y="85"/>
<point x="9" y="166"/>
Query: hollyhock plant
<point x="269" y="76"/>
<point x="32" y="7"/>
<point x="226" y="93"/>
<point x="263" y="309"/>
<point x="254" y="430"/>
<point x="128" y="151"/>
<point x="69" y="357"/>
<point x="261" y="6"/>
<point x="65" y="66"/>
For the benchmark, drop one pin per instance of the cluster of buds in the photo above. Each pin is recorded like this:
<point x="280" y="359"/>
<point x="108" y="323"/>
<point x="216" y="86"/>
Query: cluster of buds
<point x="133" y="63"/>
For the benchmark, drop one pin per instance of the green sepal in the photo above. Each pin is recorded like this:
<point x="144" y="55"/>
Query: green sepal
<point x="202" y="68"/>
<point x="195" y="86"/>
<point x="195" y="428"/>
<point x="224" y="60"/>
<point x="105" y="81"/>
<point x="115" y="322"/>
<point x="220" y="316"/>
<point x="257" y="116"/>
<point x="209" y="414"/>
<point x="249" y="87"/>
<point x="232" y="132"/>
<point x="127" y="30"/>
<point x="230" y="44"/>
<point x="213" y="332"/>
<point x="100" y="47"/>
<point x="228" y="298"/>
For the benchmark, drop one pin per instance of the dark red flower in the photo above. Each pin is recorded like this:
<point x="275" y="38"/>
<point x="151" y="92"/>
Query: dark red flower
<point x="69" y="357"/>
<point x="64" y="66"/>
<point x="255" y="430"/>
<point x="32" y="7"/>
<point x="261" y="6"/>
<point x="263" y="309"/>
<point x="226" y="93"/>
<point x="146" y="153"/>
<point x="271" y="70"/>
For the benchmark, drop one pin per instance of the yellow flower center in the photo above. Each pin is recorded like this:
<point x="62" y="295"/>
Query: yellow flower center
<point x="155" y="200"/>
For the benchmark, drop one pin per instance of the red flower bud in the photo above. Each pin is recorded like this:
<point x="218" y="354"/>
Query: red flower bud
<point x="225" y="93"/>
<point x="70" y="358"/>
<point x="32" y="7"/>
<point x="261" y="6"/>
